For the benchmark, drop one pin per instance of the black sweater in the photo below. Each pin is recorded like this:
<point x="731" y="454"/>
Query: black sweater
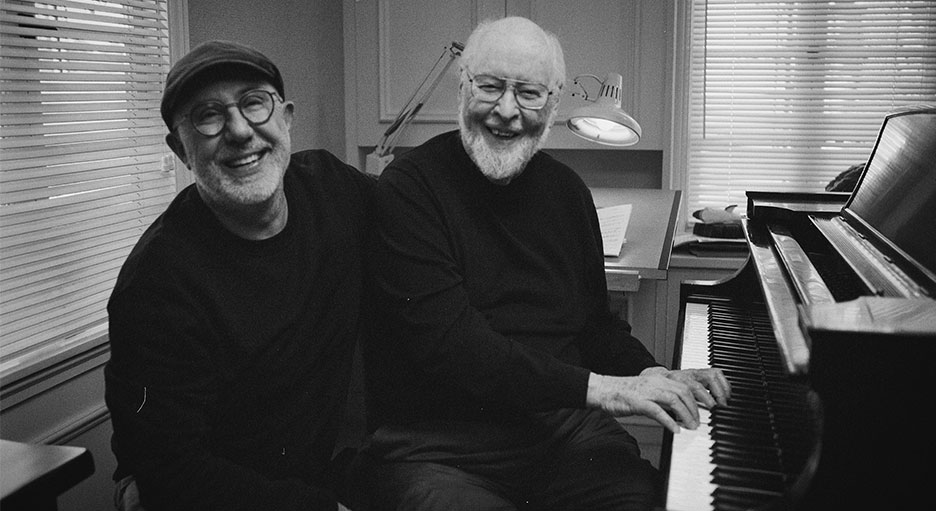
<point x="230" y="359"/>
<point x="494" y="296"/>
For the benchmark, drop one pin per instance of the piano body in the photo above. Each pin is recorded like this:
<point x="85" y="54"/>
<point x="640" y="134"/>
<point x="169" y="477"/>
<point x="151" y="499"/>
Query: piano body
<point x="828" y="337"/>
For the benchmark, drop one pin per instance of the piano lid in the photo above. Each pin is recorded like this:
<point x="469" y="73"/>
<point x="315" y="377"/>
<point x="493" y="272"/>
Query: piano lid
<point x="895" y="198"/>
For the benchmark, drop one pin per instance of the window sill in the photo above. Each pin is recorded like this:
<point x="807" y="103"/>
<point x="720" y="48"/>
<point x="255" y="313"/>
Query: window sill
<point x="40" y="369"/>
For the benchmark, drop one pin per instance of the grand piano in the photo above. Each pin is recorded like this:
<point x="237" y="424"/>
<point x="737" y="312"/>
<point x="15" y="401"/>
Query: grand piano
<point x="827" y="335"/>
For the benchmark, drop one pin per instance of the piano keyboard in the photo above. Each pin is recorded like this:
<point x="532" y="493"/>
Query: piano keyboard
<point x="749" y="453"/>
<point x="692" y="489"/>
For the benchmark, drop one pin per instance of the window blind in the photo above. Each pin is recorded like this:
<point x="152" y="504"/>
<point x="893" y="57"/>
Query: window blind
<point x="83" y="165"/>
<point x="786" y="95"/>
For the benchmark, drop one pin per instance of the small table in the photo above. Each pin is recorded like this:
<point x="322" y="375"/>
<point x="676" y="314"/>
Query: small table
<point x="34" y="475"/>
<point x="650" y="232"/>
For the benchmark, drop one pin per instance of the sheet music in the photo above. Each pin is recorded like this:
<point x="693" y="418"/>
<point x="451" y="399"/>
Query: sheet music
<point x="613" y="221"/>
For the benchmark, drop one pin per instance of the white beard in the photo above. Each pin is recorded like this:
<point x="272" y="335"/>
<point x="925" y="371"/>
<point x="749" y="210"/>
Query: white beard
<point x="500" y="165"/>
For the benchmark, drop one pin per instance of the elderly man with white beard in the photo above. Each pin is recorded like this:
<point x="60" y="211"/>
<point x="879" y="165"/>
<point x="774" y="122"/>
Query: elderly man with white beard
<point x="497" y="369"/>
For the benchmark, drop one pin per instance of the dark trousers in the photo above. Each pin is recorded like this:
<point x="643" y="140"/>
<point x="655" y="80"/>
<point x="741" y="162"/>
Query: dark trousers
<point x="589" y="463"/>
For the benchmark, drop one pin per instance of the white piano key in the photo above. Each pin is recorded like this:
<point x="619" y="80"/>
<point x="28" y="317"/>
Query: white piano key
<point x="690" y="482"/>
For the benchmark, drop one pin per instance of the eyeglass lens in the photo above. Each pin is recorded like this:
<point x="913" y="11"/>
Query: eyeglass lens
<point x="256" y="106"/>
<point x="532" y="96"/>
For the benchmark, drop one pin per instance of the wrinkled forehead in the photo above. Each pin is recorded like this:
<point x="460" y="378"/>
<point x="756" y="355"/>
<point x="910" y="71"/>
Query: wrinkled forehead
<point x="520" y="55"/>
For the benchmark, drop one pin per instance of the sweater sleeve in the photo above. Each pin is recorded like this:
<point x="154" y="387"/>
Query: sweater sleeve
<point x="160" y="388"/>
<point x="441" y="332"/>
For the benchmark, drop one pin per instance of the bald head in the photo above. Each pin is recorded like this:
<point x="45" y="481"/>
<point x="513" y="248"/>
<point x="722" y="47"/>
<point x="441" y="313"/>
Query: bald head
<point x="515" y="47"/>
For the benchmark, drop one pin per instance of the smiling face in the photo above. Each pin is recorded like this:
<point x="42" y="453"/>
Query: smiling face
<point x="500" y="136"/>
<point x="242" y="167"/>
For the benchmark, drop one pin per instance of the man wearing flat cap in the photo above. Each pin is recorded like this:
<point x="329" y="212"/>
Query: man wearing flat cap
<point x="234" y="319"/>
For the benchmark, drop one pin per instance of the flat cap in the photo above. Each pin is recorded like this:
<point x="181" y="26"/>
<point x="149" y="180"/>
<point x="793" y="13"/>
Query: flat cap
<point x="219" y="57"/>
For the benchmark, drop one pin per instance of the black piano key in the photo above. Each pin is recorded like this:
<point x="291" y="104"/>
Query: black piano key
<point x="737" y="497"/>
<point x="750" y="456"/>
<point x="743" y="440"/>
<point x="754" y="419"/>
<point x="750" y="478"/>
<point x="756" y="431"/>
<point x="741" y="492"/>
<point x="749" y="473"/>
<point x="739" y="462"/>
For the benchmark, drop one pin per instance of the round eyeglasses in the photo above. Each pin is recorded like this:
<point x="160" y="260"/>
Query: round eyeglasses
<point x="209" y="118"/>
<point x="489" y="89"/>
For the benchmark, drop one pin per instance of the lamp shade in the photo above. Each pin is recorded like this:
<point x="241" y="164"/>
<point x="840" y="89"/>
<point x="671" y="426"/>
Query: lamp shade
<point x="603" y="121"/>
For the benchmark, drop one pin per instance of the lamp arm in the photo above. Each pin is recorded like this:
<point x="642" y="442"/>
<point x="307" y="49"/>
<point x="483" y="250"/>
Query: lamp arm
<point x="454" y="51"/>
<point x="406" y="112"/>
<point x="409" y="110"/>
<point x="389" y="140"/>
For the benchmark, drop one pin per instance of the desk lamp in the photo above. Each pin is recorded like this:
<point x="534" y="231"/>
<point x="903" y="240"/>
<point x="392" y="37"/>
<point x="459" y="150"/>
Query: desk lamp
<point x="604" y="121"/>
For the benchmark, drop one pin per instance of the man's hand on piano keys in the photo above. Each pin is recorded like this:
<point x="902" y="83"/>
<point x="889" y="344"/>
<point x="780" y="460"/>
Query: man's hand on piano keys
<point x="709" y="386"/>
<point x="669" y="397"/>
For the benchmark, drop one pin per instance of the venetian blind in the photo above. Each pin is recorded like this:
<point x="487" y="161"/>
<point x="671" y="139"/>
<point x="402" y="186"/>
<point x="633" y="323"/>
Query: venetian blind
<point x="83" y="165"/>
<point x="786" y="95"/>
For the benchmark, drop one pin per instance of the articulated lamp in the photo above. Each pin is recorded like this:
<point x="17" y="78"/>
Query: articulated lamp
<point x="604" y="121"/>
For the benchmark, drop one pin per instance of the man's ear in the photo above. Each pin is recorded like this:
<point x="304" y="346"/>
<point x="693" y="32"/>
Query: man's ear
<point x="288" y="112"/>
<point x="172" y="140"/>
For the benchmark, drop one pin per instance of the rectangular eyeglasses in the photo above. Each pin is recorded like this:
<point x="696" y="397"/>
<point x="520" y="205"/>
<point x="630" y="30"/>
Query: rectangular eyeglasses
<point x="529" y="95"/>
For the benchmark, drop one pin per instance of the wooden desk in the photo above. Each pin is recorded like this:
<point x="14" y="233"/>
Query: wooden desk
<point x="33" y="475"/>
<point x="646" y="253"/>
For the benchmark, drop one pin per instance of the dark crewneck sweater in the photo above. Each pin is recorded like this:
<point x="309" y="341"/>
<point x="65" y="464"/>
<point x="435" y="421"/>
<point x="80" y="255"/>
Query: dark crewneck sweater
<point x="230" y="359"/>
<point x="495" y="296"/>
